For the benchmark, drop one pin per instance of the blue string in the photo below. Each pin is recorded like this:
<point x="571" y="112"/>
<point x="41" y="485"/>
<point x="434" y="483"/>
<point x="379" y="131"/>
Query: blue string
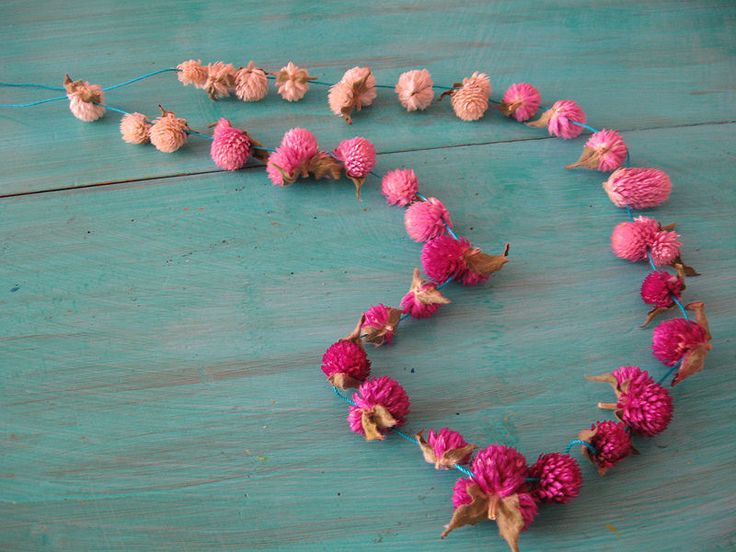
<point x="33" y="104"/>
<point x="30" y="85"/>
<point x="590" y="128"/>
<point x="115" y="109"/>
<point x="195" y="133"/>
<point x="670" y="372"/>
<point x="140" y="78"/>
<point x="585" y="444"/>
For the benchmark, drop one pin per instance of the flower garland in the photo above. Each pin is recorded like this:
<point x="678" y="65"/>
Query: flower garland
<point x="499" y="484"/>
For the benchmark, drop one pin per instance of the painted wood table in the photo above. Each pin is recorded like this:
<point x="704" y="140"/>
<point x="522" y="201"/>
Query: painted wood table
<point x="163" y="321"/>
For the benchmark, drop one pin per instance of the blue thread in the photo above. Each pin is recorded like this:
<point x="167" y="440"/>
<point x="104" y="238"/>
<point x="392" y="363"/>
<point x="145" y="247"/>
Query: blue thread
<point x="140" y="78"/>
<point x="321" y="82"/>
<point x="195" y="133"/>
<point x="343" y="397"/>
<point x="590" y="128"/>
<point x="115" y="109"/>
<point x="670" y="372"/>
<point x="405" y="436"/>
<point x="443" y="284"/>
<point x="464" y="470"/>
<point x="33" y="104"/>
<point x="30" y="85"/>
<point x="574" y="442"/>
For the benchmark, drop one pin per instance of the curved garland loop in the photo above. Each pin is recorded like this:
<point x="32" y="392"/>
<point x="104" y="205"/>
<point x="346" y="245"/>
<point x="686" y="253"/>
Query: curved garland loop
<point x="498" y="484"/>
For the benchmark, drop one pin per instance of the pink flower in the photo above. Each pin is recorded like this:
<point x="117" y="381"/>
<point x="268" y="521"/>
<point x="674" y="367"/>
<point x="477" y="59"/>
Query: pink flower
<point x="302" y="144"/>
<point x="560" y="119"/>
<point x="380" y="324"/>
<point x="230" y="146"/>
<point x="631" y="374"/>
<point x="521" y="101"/>
<point x="527" y="504"/>
<point x="470" y="100"/>
<point x="445" y="449"/>
<point x="460" y="495"/>
<point x="191" y="72"/>
<point x="647" y="408"/>
<point x="445" y="257"/>
<point x="638" y="188"/>
<point x="169" y="132"/>
<point x="293" y="82"/>
<point x="665" y="247"/>
<point x="400" y="187"/>
<point x="284" y="166"/>
<point x="220" y="80"/>
<point x="251" y="83"/>
<point x="135" y="128"/>
<point x="659" y="288"/>
<point x="415" y="89"/>
<point x="425" y="220"/>
<point x="630" y="240"/>
<point x="358" y="155"/>
<point x="500" y="470"/>
<point x="345" y="364"/>
<point x="560" y="478"/>
<point x="380" y="404"/>
<point x="605" y="150"/>
<point x="355" y="90"/>
<point x="423" y="298"/>
<point x="85" y="100"/>
<point x="673" y="339"/>
<point x="611" y="441"/>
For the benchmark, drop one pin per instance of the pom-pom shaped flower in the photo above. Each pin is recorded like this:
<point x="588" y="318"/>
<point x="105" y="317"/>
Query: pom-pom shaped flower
<point x="135" y="128"/>
<point x="498" y="492"/>
<point x="251" y="83"/>
<point x="85" y="99"/>
<point x="358" y="156"/>
<point x="642" y="404"/>
<point x="611" y="441"/>
<point x="415" y="89"/>
<point x="379" y="325"/>
<point x="444" y="448"/>
<point x="665" y="247"/>
<point x="469" y="98"/>
<point x="425" y="220"/>
<point x="423" y="298"/>
<point x="302" y="143"/>
<point x="169" y="132"/>
<point x="283" y="166"/>
<point x="559" y="478"/>
<point x="445" y="257"/>
<point x="560" y="119"/>
<point x="520" y="101"/>
<point x="630" y="240"/>
<point x="345" y="362"/>
<point x="680" y="339"/>
<point x="400" y="187"/>
<point x="639" y="188"/>
<point x="660" y="289"/>
<point x="192" y="72"/>
<point x="230" y="146"/>
<point x="293" y="82"/>
<point x="299" y="155"/>
<point x="220" y="80"/>
<point x="355" y="90"/>
<point x="380" y="404"/>
<point x="605" y="150"/>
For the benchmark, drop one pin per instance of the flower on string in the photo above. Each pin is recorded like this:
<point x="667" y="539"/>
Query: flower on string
<point x="638" y="188"/>
<point x="425" y="220"/>
<point x="558" y="476"/>
<point x="345" y="362"/>
<point x="605" y="150"/>
<point x="400" y="187"/>
<point x="445" y="257"/>
<point x="520" y="101"/>
<point x="380" y="324"/>
<point x="560" y="119"/>
<point x="444" y="448"/>
<point x="660" y="289"/>
<point x="414" y="89"/>
<point x="293" y="82"/>
<point x="469" y="98"/>
<point x="636" y="239"/>
<point x="220" y="80"/>
<point x="192" y="72"/>
<point x="355" y="90"/>
<point x="299" y="156"/>
<point x="135" y="128"/>
<point x="423" y="298"/>
<point x="358" y="156"/>
<point x="85" y="99"/>
<point x="611" y="441"/>
<point x="380" y="405"/>
<point x="251" y="83"/>
<point x="169" y="132"/>
<point x="230" y="146"/>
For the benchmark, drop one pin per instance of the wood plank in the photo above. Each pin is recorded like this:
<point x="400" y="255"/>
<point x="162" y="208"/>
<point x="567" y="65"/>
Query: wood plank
<point x="621" y="61"/>
<point x="160" y="345"/>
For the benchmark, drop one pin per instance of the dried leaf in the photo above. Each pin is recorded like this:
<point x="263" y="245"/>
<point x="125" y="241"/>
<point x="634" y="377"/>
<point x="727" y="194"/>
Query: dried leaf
<point x="377" y="336"/>
<point x="698" y="307"/>
<point x="429" y="295"/>
<point x="355" y="335"/>
<point x="451" y="457"/>
<point x="485" y="264"/>
<point x="652" y="314"/>
<point x="687" y="269"/>
<point x="588" y="159"/>
<point x="508" y="109"/>
<point x="469" y="514"/>
<point x="323" y="165"/>
<point x="260" y="154"/>
<point x="692" y="363"/>
<point x="427" y="450"/>
<point x="344" y="381"/>
<point x="358" y="184"/>
<point x="374" y="420"/>
<point x="543" y="121"/>
<point x="587" y="435"/>
<point x="510" y="521"/>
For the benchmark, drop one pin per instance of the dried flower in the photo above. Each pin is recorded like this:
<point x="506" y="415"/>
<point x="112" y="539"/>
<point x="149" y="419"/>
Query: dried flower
<point x="169" y="132"/>
<point x="380" y="404"/>
<point x="191" y="72"/>
<point x="445" y="257"/>
<point x="605" y="150"/>
<point x="560" y="478"/>
<point x="665" y="247"/>
<point x="423" y="298"/>
<point x="660" y="289"/>
<point x="611" y="441"/>
<point x="630" y="240"/>
<point x="293" y="82"/>
<point x="302" y="143"/>
<point x="425" y="220"/>
<point x="638" y="188"/>
<point x="345" y="362"/>
<point x="135" y="128"/>
<point x="230" y="146"/>
<point x="445" y="448"/>
<point x="520" y="101"/>
<point x="400" y="187"/>
<point x="415" y="89"/>
<point x="355" y="90"/>
<point x="469" y="98"/>
<point x="560" y="119"/>
<point x="251" y="83"/>
<point x="85" y="99"/>
<point x="358" y="155"/>
<point x="380" y="324"/>
<point x="220" y="80"/>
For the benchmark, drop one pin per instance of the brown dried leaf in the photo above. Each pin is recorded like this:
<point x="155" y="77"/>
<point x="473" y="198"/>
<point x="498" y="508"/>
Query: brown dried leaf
<point x="588" y="159"/>
<point x="485" y="264"/>
<point x="450" y="458"/>
<point x="692" y="363"/>
<point x="374" y="420"/>
<point x="427" y="296"/>
<point x="698" y="307"/>
<point x="355" y="335"/>
<point x="510" y="521"/>
<point x="344" y="381"/>
<point x="687" y="269"/>
<point x="543" y="121"/>
<point x="427" y="450"/>
<point x="508" y="109"/>
<point x="324" y="165"/>
<point x="358" y="184"/>
<point x="652" y="314"/>
<point x="469" y="514"/>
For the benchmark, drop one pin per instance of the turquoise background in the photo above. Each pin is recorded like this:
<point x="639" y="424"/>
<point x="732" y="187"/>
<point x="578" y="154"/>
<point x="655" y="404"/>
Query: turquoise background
<point x="162" y="321"/>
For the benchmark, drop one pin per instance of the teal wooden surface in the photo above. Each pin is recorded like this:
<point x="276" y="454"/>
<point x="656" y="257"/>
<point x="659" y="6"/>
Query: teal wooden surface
<point x="160" y="338"/>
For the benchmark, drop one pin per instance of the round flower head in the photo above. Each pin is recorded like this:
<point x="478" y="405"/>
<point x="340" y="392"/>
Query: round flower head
<point x="660" y="288"/>
<point x="559" y="478"/>
<point x="230" y="146"/>
<point x="560" y="119"/>
<point x="135" y="128"/>
<point x="284" y="166"/>
<point x="611" y="441"/>
<point x="355" y="90"/>
<point x="400" y="187"/>
<point x="379" y="325"/>
<point x="445" y="448"/>
<point x="345" y="363"/>
<point x="520" y="101"/>
<point x="85" y="99"/>
<point x="425" y="220"/>
<point x="500" y="470"/>
<point x="293" y="82"/>
<point x="251" y="83"/>
<point x="469" y="99"/>
<point x="220" y="80"/>
<point x="380" y="404"/>
<point x="358" y="155"/>
<point x="302" y="143"/>
<point x="445" y="257"/>
<point x="665" y="247"/>
<point x="191" y="72"/>
<point x="169" y="132"/>
<point x="423" y="298"/>
<point x="415" y="89"/>
<point x="675" y="338"/>
<point x="638" y="188"/>
<point x="605" y="150"/>
<point x="629" y="240"/>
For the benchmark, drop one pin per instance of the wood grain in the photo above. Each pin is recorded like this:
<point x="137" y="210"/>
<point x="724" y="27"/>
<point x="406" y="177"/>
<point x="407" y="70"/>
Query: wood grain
<point x="160" y="337"/>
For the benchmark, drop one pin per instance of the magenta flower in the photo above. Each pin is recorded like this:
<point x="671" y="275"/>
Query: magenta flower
<point x="559" y="478"/>
<point x="380" y="404"/>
